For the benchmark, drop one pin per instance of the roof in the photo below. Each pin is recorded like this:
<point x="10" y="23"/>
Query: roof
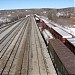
<point x="48" y="33"/>
<point x="48" y="23"/>
<point x="62" y="32"/>
<point x="64" y="54"/>
<point x="36" y="18"/>
<point x="72" y="41"/>
<point x="44" y="20"/>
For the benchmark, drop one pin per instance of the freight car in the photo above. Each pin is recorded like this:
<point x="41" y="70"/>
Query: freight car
<point x="60" y="34"/>
<point x="48" y="24"/>
<point x="62" y="58"/>
<point x="70" y="43"/>
<point x="37" y="20"/>
<point x="46" y="36"/>
<point x="41" y="25"/>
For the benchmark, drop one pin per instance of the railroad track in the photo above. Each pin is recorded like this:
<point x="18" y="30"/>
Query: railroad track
<point x="6" y="42"/>
<point x="6" y="38"/>
<point x="15" y="42"/>
<point x="9" y="31"/>
<point x="24" y="52"/>
<point x="6" y="26"/>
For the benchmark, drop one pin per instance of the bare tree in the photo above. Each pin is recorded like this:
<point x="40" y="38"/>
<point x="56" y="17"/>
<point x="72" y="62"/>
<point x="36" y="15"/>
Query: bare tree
<point x="52" y="15"/>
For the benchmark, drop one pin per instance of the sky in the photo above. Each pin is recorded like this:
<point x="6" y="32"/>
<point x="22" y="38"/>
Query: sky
<point x="27" y="4"/>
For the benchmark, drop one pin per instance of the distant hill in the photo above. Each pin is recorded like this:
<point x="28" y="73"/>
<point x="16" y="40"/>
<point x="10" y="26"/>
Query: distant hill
<point x="70" y="9"/>
<point x="18" y="13"/>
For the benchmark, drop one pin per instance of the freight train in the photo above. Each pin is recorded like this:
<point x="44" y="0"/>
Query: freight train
<point x="62" y="57"/>
<point x="57" y="33"/>
<point x="61" y="47"/>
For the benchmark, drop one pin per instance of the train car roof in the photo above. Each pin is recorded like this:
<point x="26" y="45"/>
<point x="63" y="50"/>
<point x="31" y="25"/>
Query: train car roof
<point x="48" y="33"/>
<point x="36" y="18"/>
<point x="37" y="15"/>
<point x="63" y="33"/>
<point x="44" y="20"/>
<point x="50" y="25"/>
<point x="72" y="41"/>
<point x="47" y="23"/>
<point x="64" y="54"/>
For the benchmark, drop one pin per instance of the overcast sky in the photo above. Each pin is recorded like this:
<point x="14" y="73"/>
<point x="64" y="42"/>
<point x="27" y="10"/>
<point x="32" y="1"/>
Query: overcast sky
<point x="23" y="4"/>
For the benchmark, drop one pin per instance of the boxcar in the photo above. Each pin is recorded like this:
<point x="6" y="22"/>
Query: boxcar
<point x="46" y="36"/>
<point x="48" y="24"/>
<point x="37" y="20"/>
<point x="60" y="34"/>
<point x="62" y="58"/>
<point x="70" y="43"/>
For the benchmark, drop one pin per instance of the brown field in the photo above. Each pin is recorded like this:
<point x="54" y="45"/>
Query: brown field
<point x="72" y="19"/>
<point x="66" y="21"/>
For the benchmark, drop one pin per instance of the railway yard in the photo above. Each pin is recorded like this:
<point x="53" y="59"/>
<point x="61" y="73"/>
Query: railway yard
<point x="34" y="45"/>
<point x="23" y="51"/>
<point x="61" y="44"/>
